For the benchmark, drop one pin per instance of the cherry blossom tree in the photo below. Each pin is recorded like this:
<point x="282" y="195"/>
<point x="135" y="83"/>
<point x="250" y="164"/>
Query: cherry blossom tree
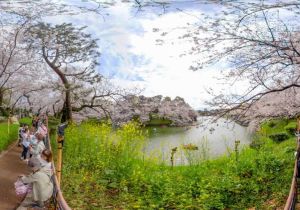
<point x="69" y="52"/>
<point x="258" y="42"/>
<point x="13" y="58"/>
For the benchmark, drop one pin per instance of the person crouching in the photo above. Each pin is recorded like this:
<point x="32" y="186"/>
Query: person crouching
<point x="42" y="187"/>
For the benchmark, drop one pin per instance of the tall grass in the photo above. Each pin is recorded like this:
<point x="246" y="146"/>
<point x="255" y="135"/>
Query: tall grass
<point x="7" y="138"/>
<point x="106" y="169"/>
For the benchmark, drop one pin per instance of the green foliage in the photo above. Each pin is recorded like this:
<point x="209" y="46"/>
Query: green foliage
<point x="25" y="120"/>
<point x="97" y="121"/>
<point x="291" y="128"/>
<point x="277" y="126"/>
<point x="106" y="169"/>
<point x="278" y="137"/>
<point x="53" y="123"/>
<point x="155" y="120"/>
<point x="93" y="120"/>
<point x="257" y="141"/>
<point x="271" y="124"/>
<point x="7" y="138"/>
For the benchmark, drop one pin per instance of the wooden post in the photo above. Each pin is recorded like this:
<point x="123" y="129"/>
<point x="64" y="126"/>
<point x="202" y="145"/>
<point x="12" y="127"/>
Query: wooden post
<point x="296" y="175"/>
<point x="174" y="150"/>
<point x="8" y="124"/>
<point x="59" y="157"/>
<point x="298" y="132"/>
<point x="60" y="143"/>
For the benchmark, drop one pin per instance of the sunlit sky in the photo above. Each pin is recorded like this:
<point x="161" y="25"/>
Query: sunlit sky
<point x="131" y="57"/>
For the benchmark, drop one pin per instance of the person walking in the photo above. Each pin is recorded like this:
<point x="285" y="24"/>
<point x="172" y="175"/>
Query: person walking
<point x="35" y="121"/>
<point x="20" y="131"/>
<point x="33" y="140"/>
<point x="25" y="143"/>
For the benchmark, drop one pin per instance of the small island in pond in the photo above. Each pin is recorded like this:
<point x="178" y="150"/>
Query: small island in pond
<point x="152" y="111"/>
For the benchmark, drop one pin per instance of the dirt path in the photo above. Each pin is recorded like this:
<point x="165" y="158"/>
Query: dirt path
<point x="10" y="167"/>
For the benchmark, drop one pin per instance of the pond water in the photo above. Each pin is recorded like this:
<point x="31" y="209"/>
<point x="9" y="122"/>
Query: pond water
<point x="212" y="139"/>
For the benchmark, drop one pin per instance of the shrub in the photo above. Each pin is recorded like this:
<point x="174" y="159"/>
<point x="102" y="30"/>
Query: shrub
<point x="257" y="142"/>
<point x="272" y="124"/>
<point x="291" y="128"/>
<point x="278" y="137"/>
<point x="156" y="120"/>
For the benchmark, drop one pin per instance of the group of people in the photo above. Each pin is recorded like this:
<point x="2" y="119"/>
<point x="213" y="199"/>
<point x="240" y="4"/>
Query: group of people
<point x="32" y="140"/>
<point x="38" y="183"/>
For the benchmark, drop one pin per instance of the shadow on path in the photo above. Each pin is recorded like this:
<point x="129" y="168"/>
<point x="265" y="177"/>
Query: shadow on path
<point x="11" y="166"/>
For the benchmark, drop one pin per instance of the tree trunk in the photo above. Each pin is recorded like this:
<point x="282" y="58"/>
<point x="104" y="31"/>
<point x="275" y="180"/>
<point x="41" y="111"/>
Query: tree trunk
<point x="67" y="109"/>
<point x="3" y="111"/>
<point x="1" y="102"/>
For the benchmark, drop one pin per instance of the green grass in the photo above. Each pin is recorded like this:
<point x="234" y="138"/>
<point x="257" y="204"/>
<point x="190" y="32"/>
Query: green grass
<point x="7" y="138"/>
<point x="53" y="122"/>
<point x="274" y="126"/>
<point x="26" y="120"/>
<point x="105" y="169"/>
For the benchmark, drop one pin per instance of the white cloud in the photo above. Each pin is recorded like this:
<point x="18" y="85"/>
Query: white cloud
<point x="131" y="56"/>
<point x="168" y="74"/>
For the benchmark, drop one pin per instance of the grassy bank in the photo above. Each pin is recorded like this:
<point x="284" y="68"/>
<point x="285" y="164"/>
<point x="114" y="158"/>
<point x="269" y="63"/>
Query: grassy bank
<point x="104" y="169"/>
<point x="7" y="138"/>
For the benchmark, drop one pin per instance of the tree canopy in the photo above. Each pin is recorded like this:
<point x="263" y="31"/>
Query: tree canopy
<point x="64" y="62"/>
<point x="259" y="43"/>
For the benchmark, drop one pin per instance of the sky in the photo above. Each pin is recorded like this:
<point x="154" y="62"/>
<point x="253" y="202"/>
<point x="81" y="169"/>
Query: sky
<point x="132" y="57"/>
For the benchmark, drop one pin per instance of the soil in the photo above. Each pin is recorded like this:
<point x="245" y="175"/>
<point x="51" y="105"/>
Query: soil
<point x="11" y="166"/>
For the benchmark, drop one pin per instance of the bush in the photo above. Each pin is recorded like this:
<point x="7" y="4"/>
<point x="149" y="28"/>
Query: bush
<point x="257" y="142"/>
<point x="279" y="137"/>
<point x="271" y="124"/>
<point x="156" y="120"/>
<point x="291" y="128"/>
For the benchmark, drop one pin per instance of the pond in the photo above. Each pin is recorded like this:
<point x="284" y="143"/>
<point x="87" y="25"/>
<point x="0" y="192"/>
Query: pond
<point x="209" y="139"/>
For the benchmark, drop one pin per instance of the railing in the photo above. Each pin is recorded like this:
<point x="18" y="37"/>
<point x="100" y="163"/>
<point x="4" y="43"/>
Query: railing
<point x="58" y="199"/>
<point x="292" y="199"/>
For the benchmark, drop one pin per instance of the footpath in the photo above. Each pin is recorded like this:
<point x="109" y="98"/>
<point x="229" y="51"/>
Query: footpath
<point x="11" y="166"/>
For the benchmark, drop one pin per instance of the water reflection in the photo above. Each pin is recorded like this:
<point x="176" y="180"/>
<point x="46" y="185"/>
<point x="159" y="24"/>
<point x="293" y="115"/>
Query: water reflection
<point x="212" y="139"/>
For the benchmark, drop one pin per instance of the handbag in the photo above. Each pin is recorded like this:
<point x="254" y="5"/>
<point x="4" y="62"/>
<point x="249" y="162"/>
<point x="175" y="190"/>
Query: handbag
<point x="21" y="188"/>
